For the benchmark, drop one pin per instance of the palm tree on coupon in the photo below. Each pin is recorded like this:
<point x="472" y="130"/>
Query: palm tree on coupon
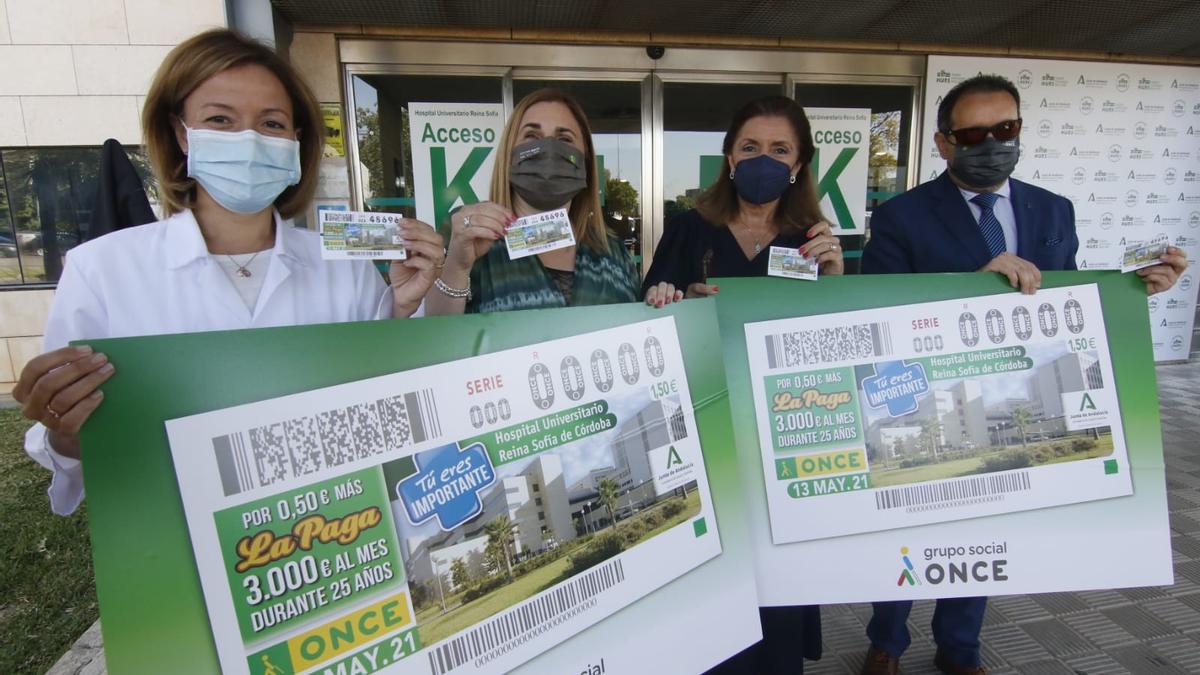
<point x="1022" y="417"/>
<point x="608" y="496"/>
<point x="500" y="537"/>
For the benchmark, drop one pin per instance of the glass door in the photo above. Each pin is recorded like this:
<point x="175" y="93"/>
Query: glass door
<point x="893" y="122"/>
<point x="695" y="117"/>
<point x="383" y="172"/>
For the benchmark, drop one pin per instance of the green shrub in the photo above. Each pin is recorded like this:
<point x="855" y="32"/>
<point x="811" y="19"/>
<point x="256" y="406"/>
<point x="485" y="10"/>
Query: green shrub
<point x="484" y="586"/>
<point x="672" y="508"/>
<point x="600" y="549"/>
<point x="1005" y="461"/>
<point x="1082" y="444"/>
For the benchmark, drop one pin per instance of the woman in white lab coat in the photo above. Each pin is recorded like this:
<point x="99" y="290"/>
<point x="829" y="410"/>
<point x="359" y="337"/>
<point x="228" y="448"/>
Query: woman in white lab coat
<point x="235" y="138"/>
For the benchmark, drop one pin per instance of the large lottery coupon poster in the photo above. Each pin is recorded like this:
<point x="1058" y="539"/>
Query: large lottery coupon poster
<point x="936" y="411"/>
<point x="922" y="436"/>
<point x="469" y="515"/>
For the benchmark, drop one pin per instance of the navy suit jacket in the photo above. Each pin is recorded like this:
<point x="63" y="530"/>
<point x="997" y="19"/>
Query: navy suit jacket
<point x="930" y="228"/>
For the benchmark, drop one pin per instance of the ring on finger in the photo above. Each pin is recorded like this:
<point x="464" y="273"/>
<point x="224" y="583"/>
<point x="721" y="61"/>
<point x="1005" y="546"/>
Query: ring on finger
<point x="52" y="412"/>
<point x="442" y="263"/>
<point x="467" y="220"/>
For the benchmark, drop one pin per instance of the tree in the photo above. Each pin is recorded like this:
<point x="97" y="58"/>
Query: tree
<point x="608" y="496"/>
<point x="620" y="197"/>
<point x="931" y="428"/>
<point x="1022" y="418"/>
<point x="459" y="574"/>
<point x="500" y="539"/>
<point x="897" y="448"/>
<point x="674" y="207"/>
<point x="884" y="146"/>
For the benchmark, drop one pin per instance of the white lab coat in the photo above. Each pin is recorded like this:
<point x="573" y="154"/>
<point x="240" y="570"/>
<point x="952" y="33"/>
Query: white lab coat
<point x="159" y="278"/>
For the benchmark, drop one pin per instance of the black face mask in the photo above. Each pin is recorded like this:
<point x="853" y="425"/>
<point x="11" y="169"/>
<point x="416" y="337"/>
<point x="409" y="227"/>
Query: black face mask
<point x="547" y="173"/>
<point x="985" y="164"/>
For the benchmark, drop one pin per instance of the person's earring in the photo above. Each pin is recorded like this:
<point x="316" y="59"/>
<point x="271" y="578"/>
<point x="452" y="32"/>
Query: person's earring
<point x="793" y="180"/>
<point x="731" y="175"/>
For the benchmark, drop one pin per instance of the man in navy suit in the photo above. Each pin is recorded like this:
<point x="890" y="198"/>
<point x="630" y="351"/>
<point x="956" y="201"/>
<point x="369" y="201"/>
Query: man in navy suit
<point x="973" y="217"/>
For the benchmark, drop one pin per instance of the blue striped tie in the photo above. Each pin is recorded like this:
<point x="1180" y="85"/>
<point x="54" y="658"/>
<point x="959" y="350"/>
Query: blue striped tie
<point x="993" y="234"/>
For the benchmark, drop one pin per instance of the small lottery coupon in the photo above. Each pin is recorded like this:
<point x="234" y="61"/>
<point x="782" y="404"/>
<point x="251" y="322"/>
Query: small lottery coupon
<point x="791" y="263"/>
<point x="539" y="233"/>
<point x="1139" y="254"/>
<point x="880" y="419"/>
<point x="357" y="235"/>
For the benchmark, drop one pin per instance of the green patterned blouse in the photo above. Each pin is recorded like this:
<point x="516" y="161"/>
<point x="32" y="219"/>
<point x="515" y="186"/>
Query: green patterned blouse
<point x="499" y="284"/>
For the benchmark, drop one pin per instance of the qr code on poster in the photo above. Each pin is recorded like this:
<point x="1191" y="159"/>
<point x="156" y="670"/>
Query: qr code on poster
<point x="298" y="447"/>
<point x="827" y="345"/>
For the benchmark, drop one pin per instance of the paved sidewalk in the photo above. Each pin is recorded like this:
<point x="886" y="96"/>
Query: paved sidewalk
<point x="1142" y="630"/>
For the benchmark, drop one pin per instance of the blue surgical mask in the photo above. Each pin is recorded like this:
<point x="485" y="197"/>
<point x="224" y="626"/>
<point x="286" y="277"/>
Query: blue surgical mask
<point x="244" y="171"/>
<point x="761" y="179"/>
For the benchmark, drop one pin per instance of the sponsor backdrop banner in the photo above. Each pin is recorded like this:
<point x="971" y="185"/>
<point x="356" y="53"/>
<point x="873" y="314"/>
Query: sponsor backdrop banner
<point x="1122" y="142"/>
<point x="453" y="151"/>
<point x="955" y="438"/>
<point x="431" y="496"/>
<point x="842" y="138"/>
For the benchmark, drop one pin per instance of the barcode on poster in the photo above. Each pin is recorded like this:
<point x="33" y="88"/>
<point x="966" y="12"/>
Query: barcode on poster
<point x="298" y="447"/>
<point x="827" y="345"/>
<point x="500" y="630"/>
<point x="951" y="490"/>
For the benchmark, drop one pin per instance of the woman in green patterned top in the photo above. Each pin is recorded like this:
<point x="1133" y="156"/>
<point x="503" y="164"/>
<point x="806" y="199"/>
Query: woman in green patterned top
<point x="545" y="161"/>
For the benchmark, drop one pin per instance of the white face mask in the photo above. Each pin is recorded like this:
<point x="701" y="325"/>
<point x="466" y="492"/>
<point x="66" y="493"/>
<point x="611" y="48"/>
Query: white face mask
<point x="244" y="171"/>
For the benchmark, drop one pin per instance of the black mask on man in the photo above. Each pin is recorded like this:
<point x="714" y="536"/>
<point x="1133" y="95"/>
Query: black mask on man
<point x="985" y="164"/>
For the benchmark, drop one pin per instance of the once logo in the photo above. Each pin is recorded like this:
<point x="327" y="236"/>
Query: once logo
<point x="1079" y="175"/>
<point x="541" y="385"/>
<point x="627" y="361"/>
<point x="1169" y="176"/>
<point x="1024" y="79"/>
<point x="908" y="572"/>
<point x="968" y="329"/>
<point x="571" y="372"/>
<point x="1073" y="314"/>
<point x="994" y="322"/>
<point x="1153" y="303"/>
<point x="1106" y="220"/>
<point x="1194" y="219"/>
<point x="1131" y="198"/>
<point x="1114" y="153"/>
<point x="1048" y="319"/>
<point x="1122" y="82"/>
<point x="602" y="372"/>
<point x="1139" y="130"/>
<point x="654" y="356"/>
<point x="1177" y="343"/>
<point x="1185" y="282"/>
<point x="1178" y="108"/>
<point x="1045" y="128"/>
<point x="1022" y="323"/>
<point x="1086" y="105"/>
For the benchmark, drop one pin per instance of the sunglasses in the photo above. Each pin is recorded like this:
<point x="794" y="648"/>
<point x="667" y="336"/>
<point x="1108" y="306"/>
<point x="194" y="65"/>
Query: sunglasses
<point x="1004" y="131"/>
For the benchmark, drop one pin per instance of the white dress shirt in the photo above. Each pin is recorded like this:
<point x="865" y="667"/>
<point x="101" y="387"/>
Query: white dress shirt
<point x="1003" y="210"/>
<point x="160" y="278"/>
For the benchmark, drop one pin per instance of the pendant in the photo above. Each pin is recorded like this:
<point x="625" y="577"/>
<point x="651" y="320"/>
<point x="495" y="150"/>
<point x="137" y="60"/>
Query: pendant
<point x="243" y="272"/>
<point x="757" y="247"/>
